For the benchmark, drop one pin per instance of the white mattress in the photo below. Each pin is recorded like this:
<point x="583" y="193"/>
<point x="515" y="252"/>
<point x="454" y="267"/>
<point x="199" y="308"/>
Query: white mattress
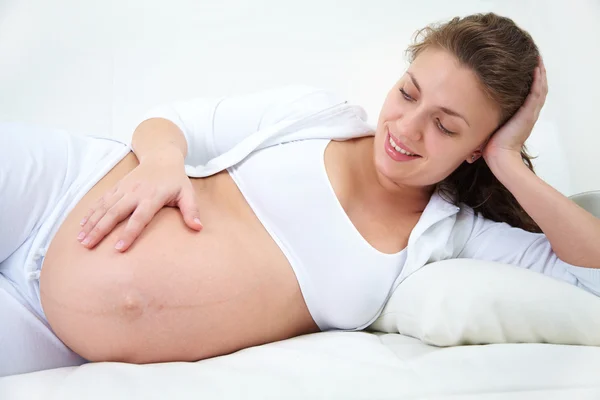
<point x="335" y="365"/>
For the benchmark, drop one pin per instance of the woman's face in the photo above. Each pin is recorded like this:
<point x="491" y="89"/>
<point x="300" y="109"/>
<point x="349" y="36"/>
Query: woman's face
<point x="436" y="111"/>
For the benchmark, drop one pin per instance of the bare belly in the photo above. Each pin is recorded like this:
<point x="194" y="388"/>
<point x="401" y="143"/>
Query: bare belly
<point x="176" y="294"/>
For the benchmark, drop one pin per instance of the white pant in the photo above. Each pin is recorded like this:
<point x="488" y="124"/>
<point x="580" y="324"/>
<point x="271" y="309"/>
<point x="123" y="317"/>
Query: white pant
<point x="43" y="173"/>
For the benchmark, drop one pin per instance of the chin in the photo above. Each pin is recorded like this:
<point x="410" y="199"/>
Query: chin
<point x="394" y="174"/>
<point x="387" y="170"/>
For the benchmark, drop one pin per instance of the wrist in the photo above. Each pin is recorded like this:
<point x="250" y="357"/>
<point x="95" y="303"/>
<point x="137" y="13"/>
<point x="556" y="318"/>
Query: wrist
<point x="502" y="157"/>
<point x="505" y="163"/>
<point x="158" y="138"/>
<point x="167" y="154"/>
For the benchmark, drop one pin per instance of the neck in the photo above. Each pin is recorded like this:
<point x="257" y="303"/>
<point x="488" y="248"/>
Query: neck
<point x="380" y="190"/>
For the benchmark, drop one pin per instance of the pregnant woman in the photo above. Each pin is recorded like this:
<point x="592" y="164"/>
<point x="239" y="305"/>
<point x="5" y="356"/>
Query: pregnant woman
<point x="241" y="221"/>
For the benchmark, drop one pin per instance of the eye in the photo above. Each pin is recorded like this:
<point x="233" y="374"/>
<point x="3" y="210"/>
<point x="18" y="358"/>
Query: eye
<point x="406" y="95"/>
<point x="444" y="130"/>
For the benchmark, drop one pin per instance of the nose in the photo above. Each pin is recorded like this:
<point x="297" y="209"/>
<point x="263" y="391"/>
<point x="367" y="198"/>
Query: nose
<point x="410" y="126"/>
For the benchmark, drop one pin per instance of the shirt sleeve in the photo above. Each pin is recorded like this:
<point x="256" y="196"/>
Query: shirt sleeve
<point x="213" y="127"/>
<point x="500" y="242"/>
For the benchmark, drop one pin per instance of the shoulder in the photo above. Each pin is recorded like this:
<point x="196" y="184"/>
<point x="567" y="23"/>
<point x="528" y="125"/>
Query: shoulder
<point x="467" y="224"/>
<point x="298" y="101"/>
<point x="500" y="233"/>
<point x="474" y="222"/>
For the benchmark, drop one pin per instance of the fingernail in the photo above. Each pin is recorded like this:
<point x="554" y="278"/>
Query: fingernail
<point x="86" y="241"/>
<point x="197" y="220"/>
<point x="81" y="235"/>
<point x="119" y="245"/>
<point x="83" y="221"/>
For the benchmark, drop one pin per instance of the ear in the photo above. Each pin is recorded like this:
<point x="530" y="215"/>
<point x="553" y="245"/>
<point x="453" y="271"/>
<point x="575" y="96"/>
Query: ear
<point x="475" y="155"/>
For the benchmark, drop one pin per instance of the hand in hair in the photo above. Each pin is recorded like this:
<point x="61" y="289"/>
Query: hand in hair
<point x="510" y="138"/>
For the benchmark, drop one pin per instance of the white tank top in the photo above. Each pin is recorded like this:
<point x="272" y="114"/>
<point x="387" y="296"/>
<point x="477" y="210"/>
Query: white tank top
<point x="288" y="189"/>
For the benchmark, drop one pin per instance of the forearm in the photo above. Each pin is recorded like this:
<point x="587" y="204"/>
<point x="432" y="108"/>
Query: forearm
<point x="157" y="135"/>
<point x="573" y="232"/>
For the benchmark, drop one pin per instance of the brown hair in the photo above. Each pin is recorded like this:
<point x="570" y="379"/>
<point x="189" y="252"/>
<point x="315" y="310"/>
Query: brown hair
<point x="503" y="57"/>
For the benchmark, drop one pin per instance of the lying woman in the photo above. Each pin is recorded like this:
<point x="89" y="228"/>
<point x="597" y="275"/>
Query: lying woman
<point x="250" y="219"/>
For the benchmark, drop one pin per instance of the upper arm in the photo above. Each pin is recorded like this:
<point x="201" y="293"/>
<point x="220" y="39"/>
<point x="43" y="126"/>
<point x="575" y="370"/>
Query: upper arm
<point x="214" y="126"/>
<point x="500" y="242"/>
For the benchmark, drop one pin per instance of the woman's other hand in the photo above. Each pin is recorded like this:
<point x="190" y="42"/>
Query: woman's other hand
<point x="158" y="181"/>
<point x="510" y="138"/>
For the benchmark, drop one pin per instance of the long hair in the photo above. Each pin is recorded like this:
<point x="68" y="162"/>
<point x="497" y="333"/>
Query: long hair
<point x="503" y="57"/>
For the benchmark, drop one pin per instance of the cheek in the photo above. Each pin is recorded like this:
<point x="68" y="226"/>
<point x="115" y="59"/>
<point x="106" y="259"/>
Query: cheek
<point x="447" y="148"/>
<point x="444" y="155"/>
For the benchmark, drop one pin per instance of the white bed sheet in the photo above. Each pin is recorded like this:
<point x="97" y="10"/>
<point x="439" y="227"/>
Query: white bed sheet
<point x="335" y="365"/>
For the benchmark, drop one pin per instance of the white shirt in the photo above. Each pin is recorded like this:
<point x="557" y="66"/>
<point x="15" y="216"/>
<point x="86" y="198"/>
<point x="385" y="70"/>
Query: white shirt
<point x="230" y="133"/>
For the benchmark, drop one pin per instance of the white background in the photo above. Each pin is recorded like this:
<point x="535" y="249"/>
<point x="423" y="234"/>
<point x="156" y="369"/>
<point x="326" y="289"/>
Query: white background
<point x="95" y="66"/>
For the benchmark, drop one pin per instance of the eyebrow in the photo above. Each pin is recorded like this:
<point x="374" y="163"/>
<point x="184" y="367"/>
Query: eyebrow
<point x="444" y="109"/>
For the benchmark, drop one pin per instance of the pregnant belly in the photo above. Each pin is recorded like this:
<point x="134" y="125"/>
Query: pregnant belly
<point x="176" y="294"/>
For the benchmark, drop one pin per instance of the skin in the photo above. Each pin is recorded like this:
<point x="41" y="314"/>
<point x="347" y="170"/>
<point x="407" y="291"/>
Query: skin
<point x="416" y="123"/>
<point x="414" y="114"/>
<point x="158" y="297"/>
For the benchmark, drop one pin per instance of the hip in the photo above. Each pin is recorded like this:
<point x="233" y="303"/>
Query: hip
<point x="46" y="172"/>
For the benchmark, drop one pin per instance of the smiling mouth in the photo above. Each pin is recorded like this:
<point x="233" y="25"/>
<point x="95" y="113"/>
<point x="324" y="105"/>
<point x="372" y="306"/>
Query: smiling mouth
<point x="394" y="145"/>
<point x="400" y="149"/>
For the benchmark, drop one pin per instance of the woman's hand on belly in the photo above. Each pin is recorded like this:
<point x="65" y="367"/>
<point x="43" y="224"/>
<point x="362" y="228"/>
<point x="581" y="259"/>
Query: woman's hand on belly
<point x="160" y="180"/>
<point x="174" y="295"/>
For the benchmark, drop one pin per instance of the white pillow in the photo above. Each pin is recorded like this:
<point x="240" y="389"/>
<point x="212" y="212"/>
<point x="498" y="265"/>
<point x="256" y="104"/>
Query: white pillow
<point x="460" y="301"/>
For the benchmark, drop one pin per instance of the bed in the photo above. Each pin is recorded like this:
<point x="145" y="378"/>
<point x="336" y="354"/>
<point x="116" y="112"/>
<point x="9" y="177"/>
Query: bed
<point x="336" y="365"/>
<point x="440" y="336"/>
<point x="456" y="329"/>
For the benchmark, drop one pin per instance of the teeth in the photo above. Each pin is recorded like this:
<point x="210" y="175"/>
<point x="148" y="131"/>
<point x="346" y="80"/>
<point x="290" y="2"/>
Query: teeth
<point x="399" y="149"/>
